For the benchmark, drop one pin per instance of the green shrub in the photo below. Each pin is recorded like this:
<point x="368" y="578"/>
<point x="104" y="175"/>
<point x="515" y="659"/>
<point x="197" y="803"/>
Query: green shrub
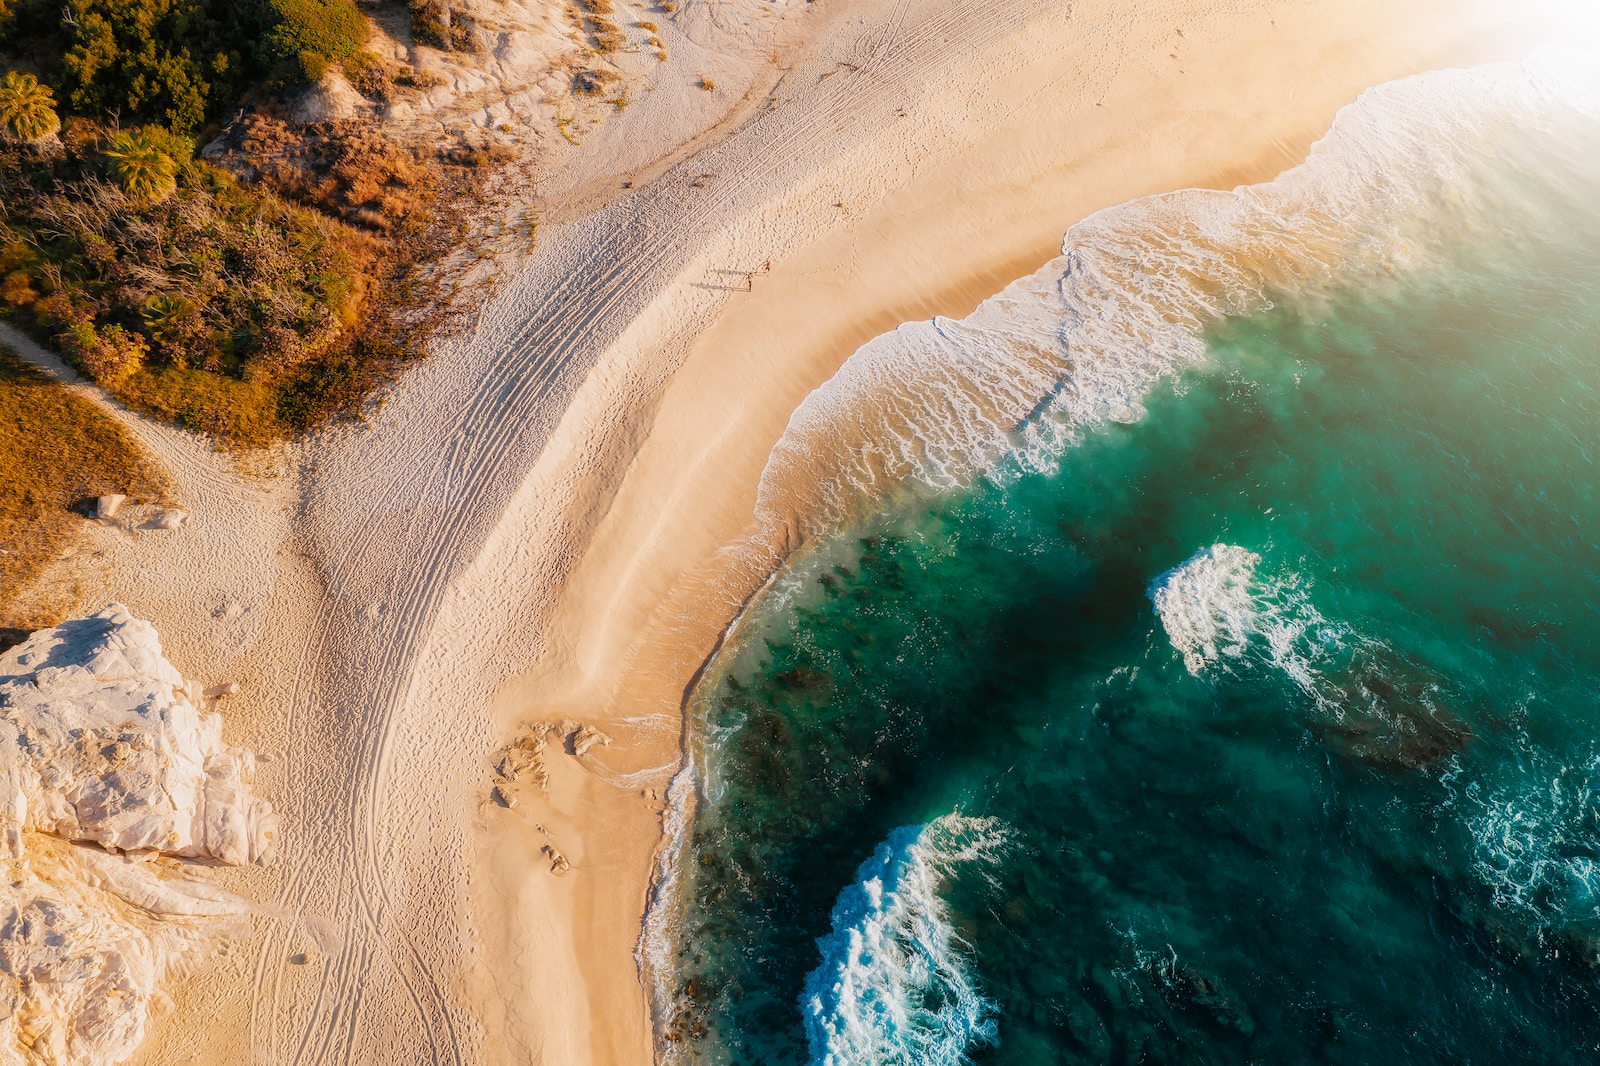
<point x="310" y="34"/>
<point x="180" y="63"/>
<point x="110" y="354"/>
<point x="338" y="384"/>
<point x="141" y="165"/>
<point x="135" y="57"/>
<point x="312" y="65"/>
<point x="165" y="315"/>
<point x="26" y="107"/>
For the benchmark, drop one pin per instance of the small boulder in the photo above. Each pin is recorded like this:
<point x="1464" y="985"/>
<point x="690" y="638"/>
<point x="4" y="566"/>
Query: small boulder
<point x="589" y="737"/>
<point x="106" y="507"/>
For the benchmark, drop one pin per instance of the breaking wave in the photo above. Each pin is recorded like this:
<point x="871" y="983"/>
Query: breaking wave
<point x="1216" y="610"/>
<point x="1535" y="830"/>
<point x="895" y="986"/>
<point x="940" y="403"/>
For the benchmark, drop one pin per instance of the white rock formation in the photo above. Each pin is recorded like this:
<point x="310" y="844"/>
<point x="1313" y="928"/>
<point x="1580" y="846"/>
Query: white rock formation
<point x="100" y="741"/>
<point x="101" y="745"/>
<point x="332" y="98"/>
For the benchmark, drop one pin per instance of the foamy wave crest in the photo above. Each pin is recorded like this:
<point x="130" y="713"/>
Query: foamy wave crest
<point x="938" y="404"/>
<point x="1537" y="844"/>
<point x="653" y="953"/>
<point x="1206" y="605"/>
<point x="1215" y="609"/>
<point x="895" y="986"/>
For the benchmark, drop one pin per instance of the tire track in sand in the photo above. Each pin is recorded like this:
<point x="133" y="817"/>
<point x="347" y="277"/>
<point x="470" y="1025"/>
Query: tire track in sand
<point x="495" y="438"/>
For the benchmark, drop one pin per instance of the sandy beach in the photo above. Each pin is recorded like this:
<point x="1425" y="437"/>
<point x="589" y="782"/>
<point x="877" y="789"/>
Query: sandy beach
<point x="554" y="517"/>
<point x="680" y="549"/>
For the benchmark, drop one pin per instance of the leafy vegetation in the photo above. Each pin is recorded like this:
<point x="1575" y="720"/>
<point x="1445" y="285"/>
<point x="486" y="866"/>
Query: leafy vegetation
<point x="27" y="109"/>
<point x="57" y="450"/>
<point x="309" y="35"/>
<point x="249" y="310"/>
<point x="179" y="64"/>
<point x="173" y="62"/>
<point x="145" y="172"/>
<point x="189" y="296"/>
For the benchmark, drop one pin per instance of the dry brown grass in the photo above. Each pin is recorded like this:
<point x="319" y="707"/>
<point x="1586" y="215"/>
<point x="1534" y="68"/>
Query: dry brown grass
<point x="371" y="76"/>
<point x="439" y="24"/>
<point x="347" y="169"/>
<point x="57" y="451"/>
<point x="604" y="34"/>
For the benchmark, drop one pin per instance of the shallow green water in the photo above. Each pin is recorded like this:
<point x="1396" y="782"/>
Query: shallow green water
<point x="1265" y="728"/>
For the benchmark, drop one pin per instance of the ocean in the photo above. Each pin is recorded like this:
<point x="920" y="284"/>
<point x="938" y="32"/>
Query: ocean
<point x="1193" y="656"/>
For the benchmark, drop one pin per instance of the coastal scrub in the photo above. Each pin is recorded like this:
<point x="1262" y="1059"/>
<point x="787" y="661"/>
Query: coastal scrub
<point x="187" y="295"/>
<point x="27" y="109"/>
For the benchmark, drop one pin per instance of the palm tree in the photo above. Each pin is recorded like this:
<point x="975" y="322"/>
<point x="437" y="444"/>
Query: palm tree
<point x="163" y="312"/>
<point x="25" y="107"/>
<point x="142" y="168"/>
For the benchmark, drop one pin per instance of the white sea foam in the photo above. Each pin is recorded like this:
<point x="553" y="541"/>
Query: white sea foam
<point x="1206" y="605"/>
<point x="1535" y="841"/>
<point x="1535" y="835"/>
<point x="654" y="950"/>
<point x="895" y="986"/>
<point x="1216" y="610"/>
<point x="938" y="404"/>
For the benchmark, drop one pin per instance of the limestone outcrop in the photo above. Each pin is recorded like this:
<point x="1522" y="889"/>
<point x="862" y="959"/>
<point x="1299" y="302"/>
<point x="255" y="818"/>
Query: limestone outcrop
<point x="100" y="741"/>
<point x="114" y="788"/>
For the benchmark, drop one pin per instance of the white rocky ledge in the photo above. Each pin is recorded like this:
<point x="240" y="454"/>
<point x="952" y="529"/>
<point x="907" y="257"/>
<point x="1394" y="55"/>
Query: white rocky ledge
<point x="113" y="786"/>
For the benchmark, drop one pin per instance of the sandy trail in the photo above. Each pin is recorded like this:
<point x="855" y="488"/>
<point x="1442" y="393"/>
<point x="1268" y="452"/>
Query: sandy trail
<point x="552" y="497"/>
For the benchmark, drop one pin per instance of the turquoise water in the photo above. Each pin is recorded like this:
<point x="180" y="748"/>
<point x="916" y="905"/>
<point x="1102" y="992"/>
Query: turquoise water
<point x="1259" y="722"/>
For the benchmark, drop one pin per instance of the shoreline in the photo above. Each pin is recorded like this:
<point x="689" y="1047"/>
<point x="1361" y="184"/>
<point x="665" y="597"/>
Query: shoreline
<point x="551" y="516"/>
<point x="683" y="503"/>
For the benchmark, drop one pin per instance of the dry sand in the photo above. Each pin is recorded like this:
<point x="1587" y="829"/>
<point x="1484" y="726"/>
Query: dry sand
<point x="551" y="518"/>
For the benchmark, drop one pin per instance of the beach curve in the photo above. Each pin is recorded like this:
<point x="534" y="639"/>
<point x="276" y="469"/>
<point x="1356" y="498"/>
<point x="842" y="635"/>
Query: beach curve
<point x="544" y="498"/>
